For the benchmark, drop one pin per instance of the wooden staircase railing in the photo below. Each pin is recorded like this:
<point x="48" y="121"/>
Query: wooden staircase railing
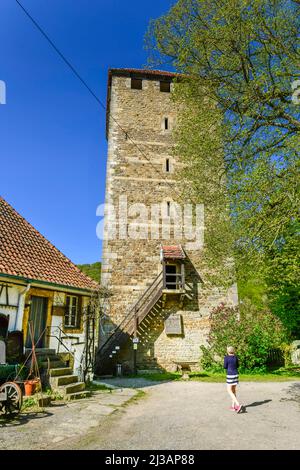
<point x="135" y="316"/>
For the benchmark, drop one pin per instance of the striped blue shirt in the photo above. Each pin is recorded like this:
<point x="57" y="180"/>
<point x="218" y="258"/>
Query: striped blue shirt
<point x="231" y="364"/>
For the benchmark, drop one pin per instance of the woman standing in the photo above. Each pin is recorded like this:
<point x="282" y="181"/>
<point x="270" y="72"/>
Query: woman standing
<point x="231" y="364"/>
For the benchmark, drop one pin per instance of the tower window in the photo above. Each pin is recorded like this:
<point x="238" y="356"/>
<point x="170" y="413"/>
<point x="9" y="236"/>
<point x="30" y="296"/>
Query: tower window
<point x="165" y="86"/>
<point x="166" y="124"/>
<point x="168" y="165"/>
<point x="168" y="208"/>
<point x="136" y="84"/>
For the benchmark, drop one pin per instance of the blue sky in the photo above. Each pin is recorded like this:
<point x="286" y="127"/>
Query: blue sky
<point x="52" y="131"/>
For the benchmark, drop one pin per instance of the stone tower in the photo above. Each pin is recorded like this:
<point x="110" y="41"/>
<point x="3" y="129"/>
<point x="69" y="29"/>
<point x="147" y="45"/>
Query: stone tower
<point x="151" y="265"/>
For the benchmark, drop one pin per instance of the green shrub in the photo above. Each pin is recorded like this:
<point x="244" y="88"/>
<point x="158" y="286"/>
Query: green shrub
<point x="253" y="332"/>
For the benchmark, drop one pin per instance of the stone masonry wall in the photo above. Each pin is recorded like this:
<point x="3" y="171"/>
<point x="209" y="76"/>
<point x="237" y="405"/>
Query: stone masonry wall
<point x="130" y="265"/>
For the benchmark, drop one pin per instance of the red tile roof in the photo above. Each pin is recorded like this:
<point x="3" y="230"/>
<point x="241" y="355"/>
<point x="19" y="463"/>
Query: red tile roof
<point x="24" y="252"/>
<point x="172" y="252"/>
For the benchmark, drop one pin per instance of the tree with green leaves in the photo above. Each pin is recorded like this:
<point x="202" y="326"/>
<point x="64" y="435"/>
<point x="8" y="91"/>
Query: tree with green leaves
<point x="93" y="270"/>
<point x="253" y="332"/>
<point x="238" y="130"/>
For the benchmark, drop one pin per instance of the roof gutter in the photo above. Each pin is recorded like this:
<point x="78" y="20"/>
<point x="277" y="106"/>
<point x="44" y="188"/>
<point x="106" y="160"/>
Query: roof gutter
<point x="45" y="283"/>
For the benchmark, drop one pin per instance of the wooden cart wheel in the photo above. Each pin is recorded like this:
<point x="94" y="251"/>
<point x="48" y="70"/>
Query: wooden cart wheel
<point x="13" y="403"/>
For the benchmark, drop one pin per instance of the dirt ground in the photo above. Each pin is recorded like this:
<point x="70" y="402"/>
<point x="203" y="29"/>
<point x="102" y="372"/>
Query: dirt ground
<point x="170" y="415"/>
<point x="37" y="429"/>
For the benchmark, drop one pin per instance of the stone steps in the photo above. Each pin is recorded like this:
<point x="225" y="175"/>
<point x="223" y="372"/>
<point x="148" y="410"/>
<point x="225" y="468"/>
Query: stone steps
<point x="41" y="351"/>
<point x="78" y="395"/>
<point x="71" y="388"/>
<point x="58" y="381"/>
<point x="61" y="371"/>
<point x="62" y="379"/>
<point x="47" y="358"/>
<point x="66" y="384"/>
<point x="53" y="364"/>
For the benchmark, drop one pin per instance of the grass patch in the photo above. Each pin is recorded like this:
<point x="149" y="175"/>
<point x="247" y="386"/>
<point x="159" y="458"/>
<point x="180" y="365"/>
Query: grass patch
<point x="139" y="394"/>
<point x="160" y="376"/>
<point x="92" y="387"/>
<point x="279" y="375"/>
<point x="55" y="395"/>
<point x="29" y="403"/>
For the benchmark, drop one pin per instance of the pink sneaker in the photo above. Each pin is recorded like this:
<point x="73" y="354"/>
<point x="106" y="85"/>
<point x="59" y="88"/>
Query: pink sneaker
<point x="232" y="408"/>
<point x="239" y="409"/>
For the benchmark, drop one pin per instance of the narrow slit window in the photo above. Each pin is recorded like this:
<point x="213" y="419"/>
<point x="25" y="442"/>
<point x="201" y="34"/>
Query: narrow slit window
<point x="168" y="208"/>
<point x="136" y="84"/>
<point x="165" y="87"/>
<point x="168" y="165"/>
<point x="166" y="124"/>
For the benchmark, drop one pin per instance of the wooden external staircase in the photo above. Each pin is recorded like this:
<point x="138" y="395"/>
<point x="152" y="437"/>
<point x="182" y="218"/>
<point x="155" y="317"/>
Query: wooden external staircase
<point x="109" y="353"/>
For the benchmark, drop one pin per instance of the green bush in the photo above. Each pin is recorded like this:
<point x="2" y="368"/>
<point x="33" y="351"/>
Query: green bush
<point x="253" y="332"/>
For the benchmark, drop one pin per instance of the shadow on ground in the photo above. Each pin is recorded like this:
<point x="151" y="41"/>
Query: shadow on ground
<point x="257" y="403"/>
<point x="22" y="418"/>
<point x="129" y="382"/>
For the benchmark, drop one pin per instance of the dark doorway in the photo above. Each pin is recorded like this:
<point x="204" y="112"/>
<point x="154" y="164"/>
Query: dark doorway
<point x="14" y="347"/>
<point x="3" y="326"/>
<point x="171" y="276"/>
<point x="38" y="320"/>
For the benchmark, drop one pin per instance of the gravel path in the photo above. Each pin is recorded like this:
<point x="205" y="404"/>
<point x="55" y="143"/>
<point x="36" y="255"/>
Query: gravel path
<point x="61" y="421"/>
<point x="196" y="415"/>
<point x="171" y="415"/>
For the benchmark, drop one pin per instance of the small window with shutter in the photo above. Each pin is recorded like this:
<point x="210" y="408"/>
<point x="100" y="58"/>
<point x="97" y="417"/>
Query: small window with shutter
<point x="136" y="84"/>
<point x="165" y="87"/>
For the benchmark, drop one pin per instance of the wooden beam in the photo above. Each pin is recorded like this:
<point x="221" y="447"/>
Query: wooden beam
<point x="182" y="276"/>
<point x="164" y="275"/>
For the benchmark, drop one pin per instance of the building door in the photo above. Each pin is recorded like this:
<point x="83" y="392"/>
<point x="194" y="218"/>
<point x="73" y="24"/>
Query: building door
<point x="4" y="320"/>
<point x="38" y="320"/>
<point x="171" y="276"/>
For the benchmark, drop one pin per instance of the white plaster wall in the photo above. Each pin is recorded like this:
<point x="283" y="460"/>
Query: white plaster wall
<point x="76" y="349"/>
<point x="56" y="322"/>
<point x="15" y="313"/>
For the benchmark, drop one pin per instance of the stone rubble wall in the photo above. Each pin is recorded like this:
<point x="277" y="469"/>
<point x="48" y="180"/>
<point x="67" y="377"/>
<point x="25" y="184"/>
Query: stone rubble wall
<point x="129" y="266"/>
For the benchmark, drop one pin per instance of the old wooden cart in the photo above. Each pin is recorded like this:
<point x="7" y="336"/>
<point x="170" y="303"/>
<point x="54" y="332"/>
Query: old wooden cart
<point x="10" y="392"/>
<point x="11" y="395"/>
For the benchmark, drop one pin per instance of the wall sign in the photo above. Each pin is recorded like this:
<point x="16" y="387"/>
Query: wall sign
<point x="173" y="325"/>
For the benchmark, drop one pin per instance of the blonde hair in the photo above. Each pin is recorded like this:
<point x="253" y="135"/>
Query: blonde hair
<point x="230" y="350"/>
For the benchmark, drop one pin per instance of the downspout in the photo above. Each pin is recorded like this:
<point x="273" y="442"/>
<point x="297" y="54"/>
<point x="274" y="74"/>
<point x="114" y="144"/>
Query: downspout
<point x="21" y="299"/>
